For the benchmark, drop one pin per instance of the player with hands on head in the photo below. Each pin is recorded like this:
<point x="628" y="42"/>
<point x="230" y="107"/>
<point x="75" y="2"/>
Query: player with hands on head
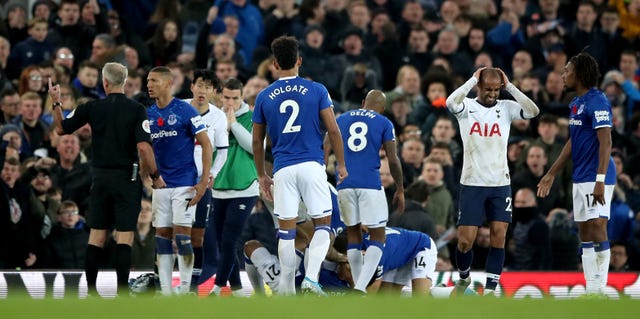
<point x="485" y="191"/>
<point x="594" y="174"/>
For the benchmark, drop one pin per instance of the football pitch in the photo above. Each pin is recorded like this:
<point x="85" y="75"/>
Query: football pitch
<point x="316" y="307"/>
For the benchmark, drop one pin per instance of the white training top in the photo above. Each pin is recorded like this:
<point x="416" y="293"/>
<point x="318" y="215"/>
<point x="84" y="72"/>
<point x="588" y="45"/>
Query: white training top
<point x="216" y="122"/>
<point x="485" y="134"/>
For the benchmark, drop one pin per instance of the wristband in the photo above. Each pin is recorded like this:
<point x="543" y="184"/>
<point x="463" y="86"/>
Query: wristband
<point x="56" y="104"/>
<point x="600" y="178"/>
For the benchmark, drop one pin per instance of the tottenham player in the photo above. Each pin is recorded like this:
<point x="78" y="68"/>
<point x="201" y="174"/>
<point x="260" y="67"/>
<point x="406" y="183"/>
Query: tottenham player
<point x="291" y="110"/>
<point x="409" y="258"/>
<point x="174" y="124"/>
<point x="594" y="175"/>
<point x="361" y="196"/>
<point x="260" y="252"/>
<point x="203" y="87"/>
<point x="485" y="190"/>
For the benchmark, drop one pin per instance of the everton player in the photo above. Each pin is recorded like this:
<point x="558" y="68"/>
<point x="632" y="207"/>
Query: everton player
<point x="362" y="199"/>
<point x="174" y="124"/>
<point x="485" y="190"/>
<point x="291" y="111"/>
<point x="594" y="174"/>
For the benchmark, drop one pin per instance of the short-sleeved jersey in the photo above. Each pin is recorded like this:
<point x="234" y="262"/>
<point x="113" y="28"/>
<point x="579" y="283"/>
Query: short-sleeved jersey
<point x="290" y="108"/>
<point x="401" y="247"/>
<point x="173" y="129"/>
<point x="118" y="124"/>
<point x="216" y="123"/>
<point x="485" y="135"/>
<point x="363" y="133"/>
<point x="588" y="113"/>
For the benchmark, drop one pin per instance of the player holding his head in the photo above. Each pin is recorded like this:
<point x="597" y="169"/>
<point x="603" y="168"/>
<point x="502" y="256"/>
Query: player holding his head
<point x="174" y="125"/>
<point x="203" y="87"/>
<point x="291" y="110"/>
<point x="594" y="174"/>
<point x="485" y="190"/>
<point x="361" y="195"/>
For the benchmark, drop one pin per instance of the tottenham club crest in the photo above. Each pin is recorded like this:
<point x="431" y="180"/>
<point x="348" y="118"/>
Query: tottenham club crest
<point x="172" y="119"/>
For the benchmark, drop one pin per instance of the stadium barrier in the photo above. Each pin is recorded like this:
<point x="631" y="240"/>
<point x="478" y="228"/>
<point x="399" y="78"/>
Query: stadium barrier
<point x="559" y="285"/>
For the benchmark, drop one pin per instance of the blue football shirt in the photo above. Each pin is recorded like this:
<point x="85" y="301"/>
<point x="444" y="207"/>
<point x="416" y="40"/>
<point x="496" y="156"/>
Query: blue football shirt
<point x="587" y="114"/>
<point x="401" y="247"/>
<point x="173" y="130"/>
<point x="363" y="133"/>
<point x="290" y="108"/>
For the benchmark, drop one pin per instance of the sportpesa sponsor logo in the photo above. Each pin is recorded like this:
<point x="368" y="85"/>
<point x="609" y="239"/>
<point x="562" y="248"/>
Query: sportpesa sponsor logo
<point x="164" y="133"/>
<point x="601" y="116"/>
<point x="575" y="122"/>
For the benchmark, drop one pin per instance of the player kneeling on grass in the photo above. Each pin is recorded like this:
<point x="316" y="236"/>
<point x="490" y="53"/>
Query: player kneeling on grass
<point x="408" y="258"/>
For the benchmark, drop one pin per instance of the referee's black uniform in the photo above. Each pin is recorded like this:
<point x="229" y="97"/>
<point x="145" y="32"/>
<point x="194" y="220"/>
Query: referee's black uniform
<point x="118" y="124"/>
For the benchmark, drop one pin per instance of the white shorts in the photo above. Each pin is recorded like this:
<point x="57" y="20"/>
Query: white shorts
<point x="422" y="266"/>
<point x="583" y="209"/>
<point x="170" y="207"/>
<point x="365" y="206"/>
<point x="306" y="180"/>
<point x="269" y="268"/>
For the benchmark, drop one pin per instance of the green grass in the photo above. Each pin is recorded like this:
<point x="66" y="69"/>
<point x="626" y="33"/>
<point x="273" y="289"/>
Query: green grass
<point x="314" y="307"/>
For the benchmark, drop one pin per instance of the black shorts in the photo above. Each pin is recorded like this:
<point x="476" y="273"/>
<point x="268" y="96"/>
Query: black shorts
<point x="478" y="204"/>
<point x="203" y="210"/>
<point x="115" y="200"/>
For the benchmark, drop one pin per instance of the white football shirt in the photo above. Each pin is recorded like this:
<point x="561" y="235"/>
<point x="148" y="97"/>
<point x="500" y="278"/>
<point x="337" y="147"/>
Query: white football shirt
<point x="216" y="122"/>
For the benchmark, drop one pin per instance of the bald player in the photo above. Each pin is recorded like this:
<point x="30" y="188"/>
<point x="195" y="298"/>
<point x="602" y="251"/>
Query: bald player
<point x="361" y="196"/>
<point x="485" y="190"/>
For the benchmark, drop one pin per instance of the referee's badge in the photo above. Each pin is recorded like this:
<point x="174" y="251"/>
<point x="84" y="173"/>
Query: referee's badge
<point x="146" y="126"/>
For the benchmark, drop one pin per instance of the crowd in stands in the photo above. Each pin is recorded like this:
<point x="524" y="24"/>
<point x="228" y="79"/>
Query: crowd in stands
<point x="417" y="51"/>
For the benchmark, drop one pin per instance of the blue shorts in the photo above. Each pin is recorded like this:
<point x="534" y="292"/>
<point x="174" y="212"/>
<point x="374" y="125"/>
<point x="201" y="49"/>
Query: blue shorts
<point x="478" y="204"/>
<point x="203" y="210"/>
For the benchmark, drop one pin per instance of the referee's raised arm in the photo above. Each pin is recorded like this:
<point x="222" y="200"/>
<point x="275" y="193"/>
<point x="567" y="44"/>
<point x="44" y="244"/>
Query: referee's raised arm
<point x="54" y="92"/>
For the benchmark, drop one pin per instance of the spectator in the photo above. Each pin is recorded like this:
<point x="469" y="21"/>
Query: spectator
<point x="447" y="47"/>
<point x="87" y="80"/>
<point x="32" y="50"/>
<point x="440" y="203"/>
<point x="408" y="84"/>
<point x="72" y="176"/>
<point x="481" y="248"/>
<point x="15" y="23"/>
<point x="564" y="241"/>
<point x="64" y="56"/>
<point x="619" y="257"/>
<point x="11" y="142"/>
<point x="614" y="41"/>
<point x="584" y="36"/>
<point x="166" y="43"/>
<point x="629" y="17"/>
<point x="531" y="247"/>
<point x="30" y="80"/>
<point x="9" y="105"/>
<point x="411" y="155"/>
<point x="415" y="216"/>
<point x="354" y="52"/>
<point x="357" y="80"/>
<point x="33" y="130"/>
<point x="319" y="65"/>
<point x="251" y="32"/>
<point x="41" y="184"/>
<point x="19" y="228"/>
<point x="418" y="53"/>
<point x="144" y="244"/>
<point x="5" y="50"/>
<point x="123" y="34"/>
<point x="281" y="20"/>
<point x="531" y="174"/>
<point x="67" y="243"/>
<point x="74" y="34"/>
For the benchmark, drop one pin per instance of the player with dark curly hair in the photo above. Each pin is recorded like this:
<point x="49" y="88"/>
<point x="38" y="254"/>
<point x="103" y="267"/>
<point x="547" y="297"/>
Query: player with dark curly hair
<point x="594" y="174"/>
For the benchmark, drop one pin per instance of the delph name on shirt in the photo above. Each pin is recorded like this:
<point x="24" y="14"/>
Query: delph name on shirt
<point x="362" y="113"/>
<point x="288" y="88"/>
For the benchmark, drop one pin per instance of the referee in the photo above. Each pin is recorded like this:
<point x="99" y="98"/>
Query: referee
<point x="120" y="131"/>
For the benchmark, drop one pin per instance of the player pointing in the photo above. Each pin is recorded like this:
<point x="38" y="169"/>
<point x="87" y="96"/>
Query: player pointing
<point x="485" y="190"/>
<point x="290" y="110"/>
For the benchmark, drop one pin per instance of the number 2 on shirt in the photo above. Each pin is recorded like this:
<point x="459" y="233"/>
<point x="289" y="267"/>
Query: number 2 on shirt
<point x="295" y="110"/>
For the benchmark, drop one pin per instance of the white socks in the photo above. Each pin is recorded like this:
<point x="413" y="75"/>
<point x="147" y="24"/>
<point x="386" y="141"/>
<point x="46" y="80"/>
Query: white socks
<point x="318" y="248"/>
<point x="371" y="259"/>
